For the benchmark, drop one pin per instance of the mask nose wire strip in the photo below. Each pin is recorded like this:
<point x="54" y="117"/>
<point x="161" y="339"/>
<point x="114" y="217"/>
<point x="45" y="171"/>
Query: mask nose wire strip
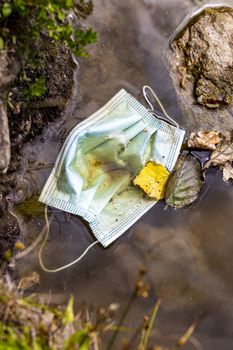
<point x="147" y="98"/>
<point x="43" y="244"/>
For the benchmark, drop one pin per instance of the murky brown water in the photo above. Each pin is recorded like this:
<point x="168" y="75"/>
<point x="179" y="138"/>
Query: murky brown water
<point x="187" y="253"/>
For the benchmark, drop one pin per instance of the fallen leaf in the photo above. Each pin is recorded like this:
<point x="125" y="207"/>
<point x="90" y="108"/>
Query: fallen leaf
<point x="223" y="153"/>
<point x="184" y="183"/>
<point x="153" y="179"/>
<point x="227" y="172"/>
<point x="205" y="139"/>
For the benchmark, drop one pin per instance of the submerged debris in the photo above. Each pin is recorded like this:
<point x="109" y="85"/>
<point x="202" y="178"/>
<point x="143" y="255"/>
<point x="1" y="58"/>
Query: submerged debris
<point x="184" y="183"/>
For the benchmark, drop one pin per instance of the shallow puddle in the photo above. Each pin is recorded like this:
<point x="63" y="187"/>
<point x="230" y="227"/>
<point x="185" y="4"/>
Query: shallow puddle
<point x="187" y="253"/>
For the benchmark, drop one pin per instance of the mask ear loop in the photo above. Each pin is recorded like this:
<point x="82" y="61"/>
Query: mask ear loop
<point x="166" y="117"/>
<point x="43" y="244"/>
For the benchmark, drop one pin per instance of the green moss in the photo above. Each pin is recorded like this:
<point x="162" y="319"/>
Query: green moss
<point x="26" y="26"/>
<point x="25" y="23"/>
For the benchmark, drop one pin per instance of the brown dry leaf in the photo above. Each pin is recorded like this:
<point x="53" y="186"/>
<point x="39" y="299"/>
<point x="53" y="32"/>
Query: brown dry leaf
<point x="153" y="179"/>
<point x="223" y="153"/>
<point x="205" y="139"/>
<point x="228" y="172"/>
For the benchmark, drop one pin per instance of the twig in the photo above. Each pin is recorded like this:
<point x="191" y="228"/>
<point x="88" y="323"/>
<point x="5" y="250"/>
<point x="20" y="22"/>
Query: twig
<point x="183" y="340"/>
<point x="134" y="337"/>
<point x="148" y="331"/>
<point x="95" y="343"/>
<point x="125" y="313"/>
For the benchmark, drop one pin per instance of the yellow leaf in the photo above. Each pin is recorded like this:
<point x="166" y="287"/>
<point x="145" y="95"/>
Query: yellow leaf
<point x="153" y="179"/>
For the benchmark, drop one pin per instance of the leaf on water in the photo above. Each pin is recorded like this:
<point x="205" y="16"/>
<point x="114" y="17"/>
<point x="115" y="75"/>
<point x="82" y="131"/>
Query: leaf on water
<point x="184" y="183"/>
<point x="223" y="153"/>
<point x="205" y="139"/>
<point x="228" y="172"/>
<point x="153" y="179"/>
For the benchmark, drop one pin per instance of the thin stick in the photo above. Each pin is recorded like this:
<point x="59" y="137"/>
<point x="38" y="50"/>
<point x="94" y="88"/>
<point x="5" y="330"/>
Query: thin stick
<point x="95" y="343"/>
<point x="152" y="319"/>
<point x="134" y="337"/>
<point x="183" y="340"/>
<point x="125" y="313"/>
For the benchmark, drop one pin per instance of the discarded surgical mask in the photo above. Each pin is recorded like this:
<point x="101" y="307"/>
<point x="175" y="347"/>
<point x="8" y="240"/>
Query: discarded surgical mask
<point x="93" y="173"/>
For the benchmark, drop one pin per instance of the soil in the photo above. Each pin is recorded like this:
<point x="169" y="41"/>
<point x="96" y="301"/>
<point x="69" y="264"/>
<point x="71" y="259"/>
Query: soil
<point x="27" y="120"/>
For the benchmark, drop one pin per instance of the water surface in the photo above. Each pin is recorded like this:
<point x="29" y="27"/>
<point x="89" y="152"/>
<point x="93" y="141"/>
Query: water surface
<point x="187" y="253"/>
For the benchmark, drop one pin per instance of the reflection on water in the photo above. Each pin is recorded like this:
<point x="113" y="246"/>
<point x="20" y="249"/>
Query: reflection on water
<point x="188" y="252"/>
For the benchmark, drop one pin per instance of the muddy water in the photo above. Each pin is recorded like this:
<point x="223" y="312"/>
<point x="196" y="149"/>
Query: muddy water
<point x="187" y="253"/>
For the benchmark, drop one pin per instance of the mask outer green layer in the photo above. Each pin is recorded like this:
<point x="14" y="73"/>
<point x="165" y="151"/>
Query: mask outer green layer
<point x="93" y="173"/>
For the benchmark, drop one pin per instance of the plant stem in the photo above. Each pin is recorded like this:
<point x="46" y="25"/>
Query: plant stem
<point x="148" y="331"/>
<point x="125" y="313"/>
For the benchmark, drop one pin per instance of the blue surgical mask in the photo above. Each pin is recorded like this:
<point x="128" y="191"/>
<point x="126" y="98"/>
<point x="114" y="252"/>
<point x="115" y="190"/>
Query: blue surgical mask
<point x="101" y="156"/>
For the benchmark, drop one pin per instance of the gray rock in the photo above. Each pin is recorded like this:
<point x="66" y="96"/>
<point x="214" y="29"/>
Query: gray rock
<point x="202" y="69"/>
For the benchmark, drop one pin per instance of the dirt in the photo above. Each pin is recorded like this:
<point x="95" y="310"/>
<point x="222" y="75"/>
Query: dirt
<point x="28" y="118"/>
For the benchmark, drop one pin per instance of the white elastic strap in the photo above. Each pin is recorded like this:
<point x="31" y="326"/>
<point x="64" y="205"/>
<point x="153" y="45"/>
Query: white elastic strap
<point x="45" y="240"/>
<point x="147" y="97"/>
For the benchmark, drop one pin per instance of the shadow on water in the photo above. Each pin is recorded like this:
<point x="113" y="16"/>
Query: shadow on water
<point x="187" y="253"/>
